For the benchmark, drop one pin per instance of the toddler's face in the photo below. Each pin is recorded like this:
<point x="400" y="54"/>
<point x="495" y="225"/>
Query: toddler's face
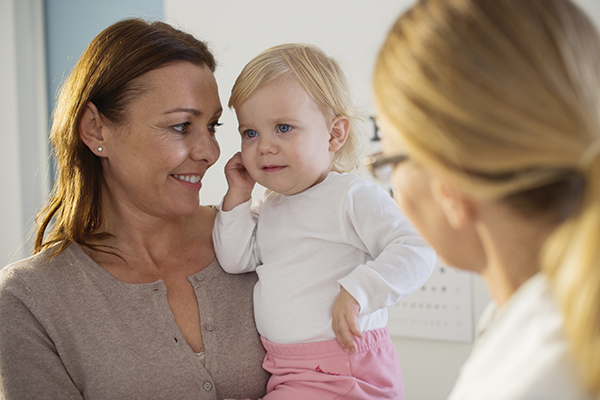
<point x="285" y="138"/>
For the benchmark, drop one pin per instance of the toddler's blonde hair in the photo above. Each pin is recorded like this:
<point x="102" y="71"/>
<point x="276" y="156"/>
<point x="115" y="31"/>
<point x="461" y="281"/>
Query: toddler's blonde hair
<point x="322" y="78"/>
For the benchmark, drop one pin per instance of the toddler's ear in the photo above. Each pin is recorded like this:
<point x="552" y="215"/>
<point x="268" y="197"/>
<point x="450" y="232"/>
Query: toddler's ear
<point x="339" y="133"/>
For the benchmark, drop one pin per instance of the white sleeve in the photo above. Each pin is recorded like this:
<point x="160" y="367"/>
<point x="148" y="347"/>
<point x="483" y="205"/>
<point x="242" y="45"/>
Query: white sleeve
<point x="402" y="260"/>
<point x="234" y="239"/>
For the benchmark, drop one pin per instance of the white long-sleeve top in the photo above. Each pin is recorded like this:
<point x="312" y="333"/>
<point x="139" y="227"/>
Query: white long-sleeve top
<point x="343" y="231"/>
<point x="523" y="353"/>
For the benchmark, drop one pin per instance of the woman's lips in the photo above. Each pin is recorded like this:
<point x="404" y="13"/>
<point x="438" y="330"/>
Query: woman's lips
<point x="191" y="180"/>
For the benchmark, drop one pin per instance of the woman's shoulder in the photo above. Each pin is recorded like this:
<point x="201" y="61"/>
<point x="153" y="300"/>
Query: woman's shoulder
<point x="220" y="281"/>
<point x="42" y="268"/>
<point x="523" y="353"/>
<point x="203" y="220"/>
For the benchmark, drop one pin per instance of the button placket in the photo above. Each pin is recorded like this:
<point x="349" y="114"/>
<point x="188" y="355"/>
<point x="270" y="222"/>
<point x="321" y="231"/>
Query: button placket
<point x="158" y="296"/>
<point x="201" y="283"/>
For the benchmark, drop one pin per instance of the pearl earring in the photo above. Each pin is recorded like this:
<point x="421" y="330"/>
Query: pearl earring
<point x="100" y="149"/>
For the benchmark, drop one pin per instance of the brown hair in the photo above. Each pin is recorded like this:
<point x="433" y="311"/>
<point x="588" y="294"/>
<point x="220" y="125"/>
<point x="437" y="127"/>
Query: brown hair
<point x="105" y="75"/>
<point x="503" y="97"/>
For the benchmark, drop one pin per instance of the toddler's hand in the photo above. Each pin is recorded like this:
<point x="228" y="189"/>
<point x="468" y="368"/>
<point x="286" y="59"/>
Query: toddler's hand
<point x="237" y="175"/>
<point x="240" y="183"/>
<point x="344" y="319"/>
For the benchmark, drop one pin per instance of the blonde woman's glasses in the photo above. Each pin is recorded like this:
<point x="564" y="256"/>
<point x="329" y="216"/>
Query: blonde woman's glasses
<point x="381" y="167"/>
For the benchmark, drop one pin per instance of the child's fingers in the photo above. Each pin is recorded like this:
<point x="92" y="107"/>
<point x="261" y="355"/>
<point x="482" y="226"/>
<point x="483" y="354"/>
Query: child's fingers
<point x="344" y="336"/>
<point x="353" y="326"/>
<point x="344" y="321"/>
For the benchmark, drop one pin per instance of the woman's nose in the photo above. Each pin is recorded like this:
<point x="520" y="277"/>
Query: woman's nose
<point x="205" y="148"/>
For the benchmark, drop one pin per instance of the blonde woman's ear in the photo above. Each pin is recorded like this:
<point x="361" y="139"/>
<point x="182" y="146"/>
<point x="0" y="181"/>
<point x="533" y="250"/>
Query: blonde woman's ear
<point x="91" y="130"/>
<point x="458" y="208"/>
<point x="339" y="133"/>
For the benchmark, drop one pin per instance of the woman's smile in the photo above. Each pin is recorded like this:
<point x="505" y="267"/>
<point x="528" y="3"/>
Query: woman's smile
<point x="189" y="178"/>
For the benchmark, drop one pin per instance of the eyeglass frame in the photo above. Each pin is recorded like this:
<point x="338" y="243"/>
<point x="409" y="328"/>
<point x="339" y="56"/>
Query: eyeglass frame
<point x="381" y="166"/>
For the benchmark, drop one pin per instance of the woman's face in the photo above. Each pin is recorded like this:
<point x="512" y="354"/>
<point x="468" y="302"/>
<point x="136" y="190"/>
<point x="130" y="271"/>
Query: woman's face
<point x="154" y="162"/>
<point x="414" y="187"/>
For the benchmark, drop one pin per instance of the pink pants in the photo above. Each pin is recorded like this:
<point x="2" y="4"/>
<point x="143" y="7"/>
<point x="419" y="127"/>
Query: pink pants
<point x="323" y="371"/>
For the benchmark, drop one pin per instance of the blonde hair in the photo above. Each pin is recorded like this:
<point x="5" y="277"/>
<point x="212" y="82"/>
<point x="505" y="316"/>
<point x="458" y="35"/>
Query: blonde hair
<point x="322" y="78"/>
<point x="106" y="75"/>
<point x="503" y="97"/>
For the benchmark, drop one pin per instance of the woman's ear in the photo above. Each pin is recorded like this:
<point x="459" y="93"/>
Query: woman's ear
<point x="91" y="130"/>
<point x="339" y="133"/>
<point x="459" y="209"/>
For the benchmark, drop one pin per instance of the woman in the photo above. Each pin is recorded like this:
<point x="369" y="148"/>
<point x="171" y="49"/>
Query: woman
<point x="124" y="298"/>
<point x="496" y="105"/>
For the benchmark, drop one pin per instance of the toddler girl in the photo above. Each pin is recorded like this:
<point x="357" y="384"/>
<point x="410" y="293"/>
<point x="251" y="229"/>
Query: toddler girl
<point x="331" y="250"/>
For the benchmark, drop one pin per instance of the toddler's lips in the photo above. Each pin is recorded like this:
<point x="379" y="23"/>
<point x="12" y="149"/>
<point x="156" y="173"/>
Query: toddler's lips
<point x="273" y="168"/>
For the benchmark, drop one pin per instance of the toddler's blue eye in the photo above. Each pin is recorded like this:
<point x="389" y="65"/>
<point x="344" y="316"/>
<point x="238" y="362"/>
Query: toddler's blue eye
<point x="284" y="128"/>
<point x="250" y="133"/>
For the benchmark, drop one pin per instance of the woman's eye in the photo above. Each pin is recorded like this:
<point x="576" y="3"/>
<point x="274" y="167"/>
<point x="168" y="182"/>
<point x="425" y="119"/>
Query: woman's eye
<point x="283" y="128"/>
<point x="181" y="128"/>
<point x="250" y="133"/>
<point x="213" y="127"/>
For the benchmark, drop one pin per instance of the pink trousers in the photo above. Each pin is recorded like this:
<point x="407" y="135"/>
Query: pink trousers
<point x="323" y="371"/>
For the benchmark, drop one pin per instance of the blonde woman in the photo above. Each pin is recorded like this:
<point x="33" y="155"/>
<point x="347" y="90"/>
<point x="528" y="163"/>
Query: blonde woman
<point x="495" y="106"/>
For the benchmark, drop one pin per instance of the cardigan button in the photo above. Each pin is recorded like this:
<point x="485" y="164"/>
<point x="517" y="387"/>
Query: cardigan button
<point x="207" y="386"/>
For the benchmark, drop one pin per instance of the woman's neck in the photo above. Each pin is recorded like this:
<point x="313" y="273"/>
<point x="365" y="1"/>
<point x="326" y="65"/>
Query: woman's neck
<point x="512" y="245"/>
<point x="139" y="238"/>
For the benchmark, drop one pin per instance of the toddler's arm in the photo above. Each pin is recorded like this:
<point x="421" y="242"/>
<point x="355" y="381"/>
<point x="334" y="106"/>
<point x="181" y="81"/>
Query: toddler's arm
<point x="233" y="231"/>
<point x="402" y="260"/>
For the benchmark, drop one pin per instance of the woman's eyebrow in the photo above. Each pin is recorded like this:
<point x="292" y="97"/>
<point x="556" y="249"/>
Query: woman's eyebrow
<point x="193" y="111"/>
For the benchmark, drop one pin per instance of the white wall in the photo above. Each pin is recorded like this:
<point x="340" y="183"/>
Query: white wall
<point x="23" y="117"/>
<point x="11" y="230"/>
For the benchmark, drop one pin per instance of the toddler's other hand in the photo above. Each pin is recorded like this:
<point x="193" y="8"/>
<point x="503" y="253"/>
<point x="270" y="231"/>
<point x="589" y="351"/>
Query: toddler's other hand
<point x="344" y="319"/>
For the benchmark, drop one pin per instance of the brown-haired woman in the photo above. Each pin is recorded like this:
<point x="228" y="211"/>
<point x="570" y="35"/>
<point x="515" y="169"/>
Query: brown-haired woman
<point x="124" y="297"/>
<point x="496" y="103"/>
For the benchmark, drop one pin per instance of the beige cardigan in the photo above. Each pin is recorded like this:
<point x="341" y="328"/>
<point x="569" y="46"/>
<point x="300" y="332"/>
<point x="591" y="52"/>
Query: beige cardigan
<point x="70" y="330"/>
